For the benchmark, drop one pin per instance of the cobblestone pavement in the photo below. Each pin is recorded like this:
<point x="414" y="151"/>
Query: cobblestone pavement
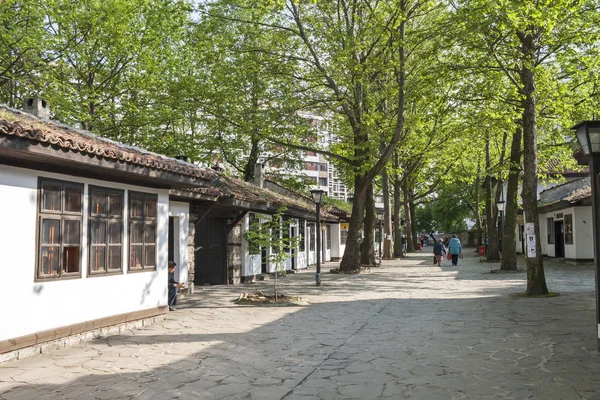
<point x="406" y="330"/>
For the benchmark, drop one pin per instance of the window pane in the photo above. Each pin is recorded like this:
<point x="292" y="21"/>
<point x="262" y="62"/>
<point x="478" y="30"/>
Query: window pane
<point x="150" y="233"/>
<point x="149" y="256"/>
<point x="136" y="257"/>
<point x="98" y="202"/>
<point x="114" y="232"/>
<point x="51" y="197"/>
<point x="137" y="206"/>
<point x="114" y="257"/>
<point x="73" y="199"/>
<point x="72" y="232"/>
<point x="71" y="259"/>
<point x="49" y="261"/>
<point x="97" y="255"/>
<point x="98" y="233"/>
<point x="150" y="207"/>
<point x="137" y="230"/>
<point x="50" y="231"/>
<point x="115" y="204"/>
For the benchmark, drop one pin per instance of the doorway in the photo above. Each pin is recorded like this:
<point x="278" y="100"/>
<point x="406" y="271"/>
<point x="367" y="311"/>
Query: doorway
<point x="559" y="239"/>
<point x="292" y="250"/>
<point x="211" y="252"/>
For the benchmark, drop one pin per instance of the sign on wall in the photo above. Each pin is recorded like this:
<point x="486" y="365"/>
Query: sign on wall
<point x="531" y="246"/>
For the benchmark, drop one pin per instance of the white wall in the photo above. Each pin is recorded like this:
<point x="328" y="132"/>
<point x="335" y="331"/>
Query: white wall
<point x="335" y="241"/>
<point x="29" y="306"/>
<point x="583" y="233"/>
<point x="181" y="213"/>
<point x="250" y="263"/>
<point x="547" y="249"/>
<point x="582" y="247"/>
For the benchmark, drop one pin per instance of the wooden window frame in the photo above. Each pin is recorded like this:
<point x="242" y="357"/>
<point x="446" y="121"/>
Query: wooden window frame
<point x="61" y="216"/>
<point x="302" y="233"/>
<point x="312" y="239"/>
<point x="253" y="248"/>
<point x="146" y="222"/>
<point x="107" y="219"/>
<point x="343" y="236"/>
<point x="569" y="237"/>
<point x="550" y="229"/>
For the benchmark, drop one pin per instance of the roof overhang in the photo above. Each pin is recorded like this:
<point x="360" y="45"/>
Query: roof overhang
<point x="29" y="154"/>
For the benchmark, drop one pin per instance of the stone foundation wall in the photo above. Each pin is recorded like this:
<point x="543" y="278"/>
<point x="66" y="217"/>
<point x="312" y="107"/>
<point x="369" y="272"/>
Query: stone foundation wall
<point x="73" y="340"/>
<point x="234" y="255"/>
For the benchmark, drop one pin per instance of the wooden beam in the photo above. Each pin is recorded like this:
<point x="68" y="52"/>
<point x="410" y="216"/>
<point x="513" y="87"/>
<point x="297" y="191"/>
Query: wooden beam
<point x="70" y="330"/>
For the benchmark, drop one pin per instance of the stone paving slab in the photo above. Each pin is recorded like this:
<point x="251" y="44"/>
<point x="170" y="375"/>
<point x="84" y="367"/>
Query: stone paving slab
<point x="405" y="330"/>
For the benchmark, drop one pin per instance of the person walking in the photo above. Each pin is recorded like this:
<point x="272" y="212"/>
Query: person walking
<point x="439" y="250"/>
<point x="455" y="248"/>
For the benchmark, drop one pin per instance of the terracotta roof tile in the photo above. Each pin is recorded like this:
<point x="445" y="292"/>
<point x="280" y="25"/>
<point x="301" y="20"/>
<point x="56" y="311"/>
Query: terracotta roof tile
<point x="19" y="124"/>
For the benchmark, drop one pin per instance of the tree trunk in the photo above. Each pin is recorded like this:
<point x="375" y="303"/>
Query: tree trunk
<point x="388" y="253"/>
<point x="536" y="280"/>
<point x="397" y="218"/>
<point x="367" y="255"/>
<point x="493" y="251"/>
<point x="351" y="259"/>
<point x="413" y="226"/>
<point x="408" y="217"/>
<point x="252" y="160"/>
<point x="509" y="243"/>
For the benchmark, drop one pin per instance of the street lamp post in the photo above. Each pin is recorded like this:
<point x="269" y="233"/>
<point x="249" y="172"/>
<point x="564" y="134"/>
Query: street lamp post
<point x="380" y="221"/>
<point x="500" y="206"/>
<point x="588" y="136"/>
<point x="317" y="195"/>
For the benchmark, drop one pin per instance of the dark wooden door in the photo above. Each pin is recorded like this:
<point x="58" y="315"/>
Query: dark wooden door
<point x="211" y="251"/>
<point x="559" y="239"/>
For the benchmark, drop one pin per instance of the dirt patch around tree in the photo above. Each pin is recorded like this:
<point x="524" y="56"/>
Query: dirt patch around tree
<point x="262" y="299"/>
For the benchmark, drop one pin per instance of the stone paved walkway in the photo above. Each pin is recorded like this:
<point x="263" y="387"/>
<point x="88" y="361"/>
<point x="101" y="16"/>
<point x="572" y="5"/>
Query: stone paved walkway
<point x="406" y="330"/>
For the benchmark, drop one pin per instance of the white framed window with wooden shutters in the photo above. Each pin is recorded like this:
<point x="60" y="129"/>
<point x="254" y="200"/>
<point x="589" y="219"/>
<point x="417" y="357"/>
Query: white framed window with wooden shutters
<point x="105" y="231"/>
<point x="143" y="211"/>
<point x="60" y="217"/>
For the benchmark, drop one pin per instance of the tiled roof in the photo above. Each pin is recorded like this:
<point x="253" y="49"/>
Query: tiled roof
<point x="578" y="195"/>
<point x="556" y="167"/>
<point x="18" y="124"/>
<point x="238" y="189"/>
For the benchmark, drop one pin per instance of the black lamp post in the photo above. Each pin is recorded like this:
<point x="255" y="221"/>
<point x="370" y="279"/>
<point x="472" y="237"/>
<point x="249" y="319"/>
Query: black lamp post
<point x="380" y="222"/>
<point x="588" y="136"/>
<point x="317" y="195"/>
<point x="500" y="206"/>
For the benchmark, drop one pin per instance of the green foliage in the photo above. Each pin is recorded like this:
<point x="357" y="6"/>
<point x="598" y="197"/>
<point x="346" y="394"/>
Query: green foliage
<point x="272" y="233"/>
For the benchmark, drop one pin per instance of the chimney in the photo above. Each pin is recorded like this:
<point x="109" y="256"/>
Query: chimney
<point x="259" y="175"/>
<point x="37" y="107"/>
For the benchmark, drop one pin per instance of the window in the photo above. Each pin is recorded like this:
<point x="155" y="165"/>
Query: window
<point x="59" y="230"/>
<point x="568" y="229"/>
<point x="311" y="153"/>
<point x="302" y="232"/>
<point x="322" y="181"/>
<point x="142" y="231"/>
<point x="311" y="237"/>
<point x="550" y="225"/>
<point x="253" y="226"/>
<point x="343" y="233"/>
<point x="106" y="231"/>
<point x="328" y="232"/>
<point x="310" y="166"/>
